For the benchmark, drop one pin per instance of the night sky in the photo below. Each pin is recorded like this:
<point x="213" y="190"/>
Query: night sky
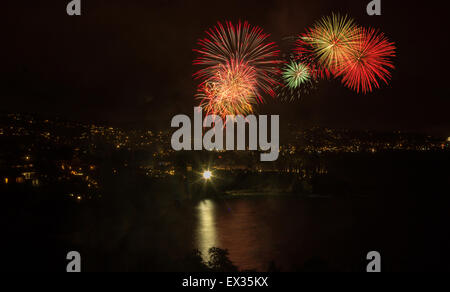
<point x="129" y="63"/>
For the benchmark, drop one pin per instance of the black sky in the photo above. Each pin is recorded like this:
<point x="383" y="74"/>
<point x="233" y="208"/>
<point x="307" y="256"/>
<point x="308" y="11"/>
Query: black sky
<point x="130" y="62"/>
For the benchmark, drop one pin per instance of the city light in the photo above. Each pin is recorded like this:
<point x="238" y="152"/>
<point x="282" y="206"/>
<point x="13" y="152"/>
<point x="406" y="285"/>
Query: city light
<point x="207" y="175"/>
<point x="448" y="139"/>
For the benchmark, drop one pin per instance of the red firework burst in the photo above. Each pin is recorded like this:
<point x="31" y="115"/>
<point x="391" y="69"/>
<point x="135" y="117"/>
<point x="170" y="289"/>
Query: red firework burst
<point x="240" y="44"/>
<point x="369" y="62"/>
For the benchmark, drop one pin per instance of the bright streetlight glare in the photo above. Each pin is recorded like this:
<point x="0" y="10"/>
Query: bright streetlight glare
<point x="207" y="175"/>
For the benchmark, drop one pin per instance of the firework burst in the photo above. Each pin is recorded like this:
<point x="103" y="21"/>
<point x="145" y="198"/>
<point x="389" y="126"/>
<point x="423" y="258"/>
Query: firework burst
<point x="230" y="91"/>
<point x="369" y="62"/>
<point x="297" y="80"/>
<point x="229" y="53"/>
<point x="329" y="43"/>
<point x="296" y="74"/>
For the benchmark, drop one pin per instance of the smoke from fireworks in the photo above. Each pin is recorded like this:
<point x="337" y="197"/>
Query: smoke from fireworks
<point x="369" y="62"/>
<point x="236" y="50"/>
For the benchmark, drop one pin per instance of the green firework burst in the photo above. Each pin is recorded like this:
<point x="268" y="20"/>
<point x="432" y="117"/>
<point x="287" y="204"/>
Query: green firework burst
<point x="296" y="74"/>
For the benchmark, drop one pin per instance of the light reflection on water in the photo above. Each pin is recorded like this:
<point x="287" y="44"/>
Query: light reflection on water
<point x="206" y="230"/>
<point x="237" y="226"/>
<point x="288" y="231"/>
<point x="292" y="231"/>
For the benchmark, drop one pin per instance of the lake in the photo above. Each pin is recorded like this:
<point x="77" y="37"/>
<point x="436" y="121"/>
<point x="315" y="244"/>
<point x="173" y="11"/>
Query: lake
<point x="334" y="233"/>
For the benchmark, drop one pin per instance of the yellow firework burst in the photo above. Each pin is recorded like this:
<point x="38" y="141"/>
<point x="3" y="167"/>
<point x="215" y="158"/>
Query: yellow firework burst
<point x="331" y="40"/>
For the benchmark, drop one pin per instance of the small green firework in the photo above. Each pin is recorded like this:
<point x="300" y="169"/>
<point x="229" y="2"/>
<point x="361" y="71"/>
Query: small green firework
<point x="296" y="74"/>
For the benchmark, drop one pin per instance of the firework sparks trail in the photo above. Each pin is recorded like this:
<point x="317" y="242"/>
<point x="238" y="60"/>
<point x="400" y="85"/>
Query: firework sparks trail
<point x="236" y="50"/>
<point x="369" y="62"/>
<point x="231" y="91"/>
<point x="328" y="44"/>
<point x="296" y="74"/>
<point x="297" y="80"/>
